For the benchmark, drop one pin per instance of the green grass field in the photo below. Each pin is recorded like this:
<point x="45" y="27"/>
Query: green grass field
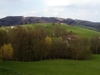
<point x="55" y="67"/>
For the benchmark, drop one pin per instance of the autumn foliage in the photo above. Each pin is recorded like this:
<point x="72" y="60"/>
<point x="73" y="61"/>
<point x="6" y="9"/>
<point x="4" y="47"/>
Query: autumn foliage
<point x="7" y="52"/>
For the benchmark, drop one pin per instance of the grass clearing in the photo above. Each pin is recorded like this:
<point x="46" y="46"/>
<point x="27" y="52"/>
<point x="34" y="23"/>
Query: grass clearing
<point x="56" y="67"/>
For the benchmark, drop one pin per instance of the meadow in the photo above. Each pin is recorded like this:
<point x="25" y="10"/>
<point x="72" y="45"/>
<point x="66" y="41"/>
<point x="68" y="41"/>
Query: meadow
<point x="54" y="67"/>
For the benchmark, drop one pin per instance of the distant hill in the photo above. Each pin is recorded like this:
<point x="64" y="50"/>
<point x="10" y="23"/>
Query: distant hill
<point x="19" y="20"/>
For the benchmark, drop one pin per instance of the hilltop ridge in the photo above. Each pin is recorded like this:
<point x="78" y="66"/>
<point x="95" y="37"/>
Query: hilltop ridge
<point x="19" y="20"/>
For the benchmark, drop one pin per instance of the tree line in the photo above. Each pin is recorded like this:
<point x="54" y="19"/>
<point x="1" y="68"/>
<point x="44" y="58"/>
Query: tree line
<point x="27" y="44"/>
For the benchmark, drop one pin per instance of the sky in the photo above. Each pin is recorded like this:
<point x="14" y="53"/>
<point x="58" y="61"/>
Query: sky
<point x="75" y="9"/>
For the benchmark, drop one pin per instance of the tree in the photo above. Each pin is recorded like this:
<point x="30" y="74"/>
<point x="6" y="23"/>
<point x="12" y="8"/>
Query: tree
<point x="3" y="37"/>
<point x="79" y="49"/>
<point x="18" y="38"/>
<point x="7" y="51"/>
<point x="48" y="40"/>
<point x="48" y="45"/>
<point x="58" y="48"/>
<point x="59" y="32"/>
<point x="28" y="53"/>
<point x="0" y="54"/>
<point x="95" y="45"/>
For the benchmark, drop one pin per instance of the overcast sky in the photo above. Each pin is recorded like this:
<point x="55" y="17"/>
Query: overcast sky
<point x="75" y="9"/>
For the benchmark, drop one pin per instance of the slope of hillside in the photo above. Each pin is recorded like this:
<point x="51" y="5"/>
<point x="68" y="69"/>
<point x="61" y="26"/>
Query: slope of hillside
<point x="82" y="32"/>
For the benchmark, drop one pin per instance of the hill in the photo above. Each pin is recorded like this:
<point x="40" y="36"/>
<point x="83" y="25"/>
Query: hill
<point x="19" y="20"/>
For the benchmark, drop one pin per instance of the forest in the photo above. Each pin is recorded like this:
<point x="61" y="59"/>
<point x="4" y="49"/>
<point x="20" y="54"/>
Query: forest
<point x="28" y="44"/>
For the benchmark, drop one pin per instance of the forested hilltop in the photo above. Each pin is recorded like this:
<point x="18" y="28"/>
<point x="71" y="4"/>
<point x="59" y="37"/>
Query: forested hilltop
<point x="43" y="42"/>
<point x="19" y="20"/>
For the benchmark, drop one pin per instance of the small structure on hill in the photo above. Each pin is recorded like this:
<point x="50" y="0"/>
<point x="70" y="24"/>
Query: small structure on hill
<point x="12" y="27"/>
<point x="72" y="37"/>
<point x="15" y="26"/>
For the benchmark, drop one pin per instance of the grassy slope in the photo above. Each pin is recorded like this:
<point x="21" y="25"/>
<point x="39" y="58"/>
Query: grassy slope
<point x="57" y="67"/>
<point x="82" y="32"/>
